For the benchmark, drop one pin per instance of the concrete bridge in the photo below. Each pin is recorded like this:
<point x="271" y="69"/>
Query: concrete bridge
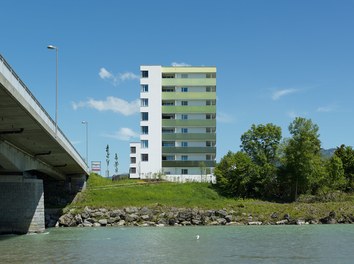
<point x="39" y="167"/>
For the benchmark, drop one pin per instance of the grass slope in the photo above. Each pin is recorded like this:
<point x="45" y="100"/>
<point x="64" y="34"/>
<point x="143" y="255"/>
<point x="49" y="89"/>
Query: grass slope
<point x="102" y="192"/>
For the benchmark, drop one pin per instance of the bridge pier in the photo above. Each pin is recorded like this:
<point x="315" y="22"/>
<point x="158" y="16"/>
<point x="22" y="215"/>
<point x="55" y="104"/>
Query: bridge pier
<point x="21" y="205"/>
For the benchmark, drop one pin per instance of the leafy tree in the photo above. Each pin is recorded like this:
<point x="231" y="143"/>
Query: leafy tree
<point x="335" y="174"/>
<point x="261" y="143"/>
<point x="302" y="157"/>
<point x="236" y="174"/>
<point x="346" y="155"/>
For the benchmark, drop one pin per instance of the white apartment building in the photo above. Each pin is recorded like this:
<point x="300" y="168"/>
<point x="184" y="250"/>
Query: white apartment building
<point x="178" y="124"/>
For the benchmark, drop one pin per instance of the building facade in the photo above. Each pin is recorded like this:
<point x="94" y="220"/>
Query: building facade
<point x="178" y="124"/>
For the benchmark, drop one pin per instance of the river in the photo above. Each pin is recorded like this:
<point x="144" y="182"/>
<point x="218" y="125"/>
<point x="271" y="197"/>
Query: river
<point x="221" y="244"/>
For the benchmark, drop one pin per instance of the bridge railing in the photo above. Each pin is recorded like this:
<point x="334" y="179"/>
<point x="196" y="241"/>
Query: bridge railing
<point x="21" y="87"/>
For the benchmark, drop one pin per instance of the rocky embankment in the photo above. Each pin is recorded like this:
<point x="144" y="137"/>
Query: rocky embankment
<point x="161" y="216"/>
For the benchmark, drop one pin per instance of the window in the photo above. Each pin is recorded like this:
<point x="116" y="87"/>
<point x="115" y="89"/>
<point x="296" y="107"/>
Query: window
<point x="168" y="143"/>
<point x="132" y="150"/>
<point x="144" y="102"/>
<point x="144" y="130"/>
<point x="132" y="160"/>
<point x="184" y="117"/>
<point x="184" y="75"/>
<point x="144" y="116"/>
<point x="144" y="144"/>
<point x="168" y="89"/>
<point x="210" y="89"/>
<point x="184" y="157"/>
<point x="167" y="130"/>
<point x="184" y="103"/>
<point x="133" y="170"/>
<point x="168" y="75"/>
<point x="210" y="157"/>
<point x="168" y="157"/>
<point x="210" y="102"/>
<point x="210" y="116"/>
<point x="184" y="144"/>
<point x="165" y="102"/>
<point x="210" y="130"/>
<point x="211" y="75"/>
<point x="144" y="88"/>
<point x="210" y="143"/>
<point x="168" y="116"/>
<point x="144" y="74"/>
<point x="184" y="171"/>
<point x="144" y="157"/>
<point x="184" y="130"/>
<point x="184" y="89"/>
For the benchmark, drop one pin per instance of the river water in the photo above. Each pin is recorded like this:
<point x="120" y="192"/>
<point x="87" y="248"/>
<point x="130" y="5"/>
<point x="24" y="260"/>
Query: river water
<point x="221" y="244"/>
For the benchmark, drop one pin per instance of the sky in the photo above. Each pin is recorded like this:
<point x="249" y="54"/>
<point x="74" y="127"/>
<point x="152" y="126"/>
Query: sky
<point x="276" y="60"/>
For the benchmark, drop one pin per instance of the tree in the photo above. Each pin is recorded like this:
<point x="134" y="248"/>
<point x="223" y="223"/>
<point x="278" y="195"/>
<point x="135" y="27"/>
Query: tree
<point x="302" y="156"/>
<point x="261" y="143"/>
<point x="236" y="175"/>
<point x="116" y="163"/>
<point x="107" y="160"/>
<point x="334" y="179"/>
<point x="346" y="155"/>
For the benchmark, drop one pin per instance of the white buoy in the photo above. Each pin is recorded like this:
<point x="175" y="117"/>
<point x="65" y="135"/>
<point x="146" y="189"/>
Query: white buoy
<point x="197" y="236"/>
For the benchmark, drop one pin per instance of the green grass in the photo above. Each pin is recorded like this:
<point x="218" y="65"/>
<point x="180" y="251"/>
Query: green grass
<point x="102" y="192"/>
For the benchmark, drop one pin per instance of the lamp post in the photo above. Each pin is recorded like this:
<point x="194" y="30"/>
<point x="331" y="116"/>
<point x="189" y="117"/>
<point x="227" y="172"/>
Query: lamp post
<point x="56" y="86"/>
<point x="86" y="123"/>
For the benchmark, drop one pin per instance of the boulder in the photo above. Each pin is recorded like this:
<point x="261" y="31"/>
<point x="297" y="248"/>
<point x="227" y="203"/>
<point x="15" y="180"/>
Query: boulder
<point x="103" y="222"/>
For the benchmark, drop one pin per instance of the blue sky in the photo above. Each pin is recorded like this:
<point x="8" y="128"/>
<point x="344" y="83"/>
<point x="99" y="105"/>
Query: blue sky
<point x="275" y="60"/>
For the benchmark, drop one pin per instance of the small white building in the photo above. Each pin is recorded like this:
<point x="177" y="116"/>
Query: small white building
<point x="178" y="124"/>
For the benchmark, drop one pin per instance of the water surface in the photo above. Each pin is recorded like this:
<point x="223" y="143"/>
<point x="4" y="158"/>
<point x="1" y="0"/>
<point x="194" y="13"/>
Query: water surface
<point x="222" y="244"/>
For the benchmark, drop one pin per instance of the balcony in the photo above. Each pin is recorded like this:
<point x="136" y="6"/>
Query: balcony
<point x="188" y="150"/>
<point x="189" y="109"/>
<point x="189" y="123"/>
<point x="188" y="163"/>
<point x="188" y="96"/>
<point x="189" y="136"/>
<point x="188" y="82"/>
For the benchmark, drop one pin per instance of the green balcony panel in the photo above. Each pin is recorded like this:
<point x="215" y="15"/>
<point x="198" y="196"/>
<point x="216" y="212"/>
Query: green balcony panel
<point x="189" y="136"/>
<point x="189" y="123"/>
<point x="189" y="109"/>
<point x="188" y="150"/>
<point x="188" y="69"/>
<point x="188" y="82"/>
<point x="188" y="163"/>
<point x="188" y="96"/>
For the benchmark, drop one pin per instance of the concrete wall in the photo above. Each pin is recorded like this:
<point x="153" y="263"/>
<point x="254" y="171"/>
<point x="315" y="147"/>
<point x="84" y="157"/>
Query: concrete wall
<point x="21" y="205"/>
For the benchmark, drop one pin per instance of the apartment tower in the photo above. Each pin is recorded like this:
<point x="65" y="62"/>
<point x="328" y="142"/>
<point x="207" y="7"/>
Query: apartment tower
<point x="178" y="124"/>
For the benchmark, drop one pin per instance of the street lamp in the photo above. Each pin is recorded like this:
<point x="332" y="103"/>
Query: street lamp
<point x="56" y="87"/>
<point x="86" y="123"/>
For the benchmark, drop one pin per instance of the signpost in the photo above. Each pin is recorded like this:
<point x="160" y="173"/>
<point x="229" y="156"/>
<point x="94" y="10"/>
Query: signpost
<point x="96" y="166"/>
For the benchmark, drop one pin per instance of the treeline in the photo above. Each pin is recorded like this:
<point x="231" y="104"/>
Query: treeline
<point x="269" y="167"/>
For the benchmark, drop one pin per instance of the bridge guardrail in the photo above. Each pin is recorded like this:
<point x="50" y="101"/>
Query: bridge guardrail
<point x="39" y="108"/>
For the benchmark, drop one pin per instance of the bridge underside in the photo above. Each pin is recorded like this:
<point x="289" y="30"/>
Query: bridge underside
<point x="39" y="168"/>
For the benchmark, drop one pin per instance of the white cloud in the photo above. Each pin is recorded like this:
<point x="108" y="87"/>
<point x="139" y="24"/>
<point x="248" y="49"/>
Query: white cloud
<point x="326" y="109"/>
<point x="280" y="93"/>
<point x="116" y="79"/>
<point x="104" y="74"/>
<point x="224" y="118"/>
<point x="293" y="114"/>
<point x="124" y="133"/>
<point x="128" y="76"/>
<point x="180" y="64"/>
<point x="111" y="103"/>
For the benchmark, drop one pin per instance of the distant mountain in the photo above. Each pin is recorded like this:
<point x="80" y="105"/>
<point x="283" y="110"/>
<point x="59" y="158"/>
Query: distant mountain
<point x="327" y="153"/>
